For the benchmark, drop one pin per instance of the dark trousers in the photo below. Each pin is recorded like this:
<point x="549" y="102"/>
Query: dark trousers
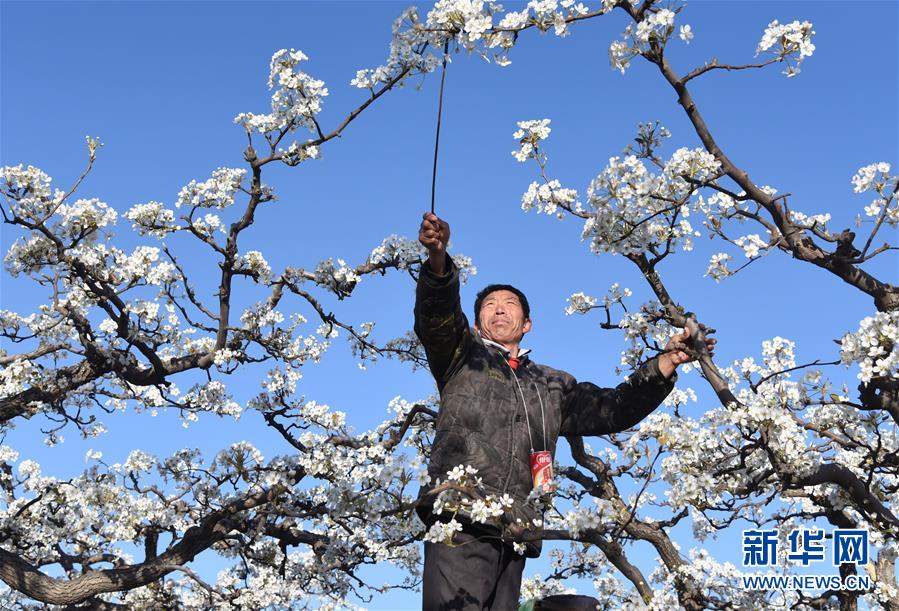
<point x="478" y="573"/>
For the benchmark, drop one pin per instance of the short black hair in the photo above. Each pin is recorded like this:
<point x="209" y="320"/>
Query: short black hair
<point x="492" y="288"/>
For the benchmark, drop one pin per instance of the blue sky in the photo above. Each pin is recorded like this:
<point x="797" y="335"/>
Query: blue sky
<point x="160" y="83"/>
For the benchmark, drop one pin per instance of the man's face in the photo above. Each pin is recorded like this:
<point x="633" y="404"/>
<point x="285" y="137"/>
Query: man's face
<point x="501" y="318"/>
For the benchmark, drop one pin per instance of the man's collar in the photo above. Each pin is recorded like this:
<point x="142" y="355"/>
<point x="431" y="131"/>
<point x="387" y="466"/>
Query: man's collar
<point x="505" y="351"/>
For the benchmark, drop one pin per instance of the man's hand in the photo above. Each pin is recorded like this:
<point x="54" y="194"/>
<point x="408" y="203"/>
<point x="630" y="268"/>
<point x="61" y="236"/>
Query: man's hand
<point x="674" y="354"/>
<point x="434" y="234"/>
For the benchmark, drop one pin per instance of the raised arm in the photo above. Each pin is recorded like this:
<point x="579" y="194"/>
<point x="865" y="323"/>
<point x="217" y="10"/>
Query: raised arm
<point x="588" y="409"/>
<point x="440" y="324"/>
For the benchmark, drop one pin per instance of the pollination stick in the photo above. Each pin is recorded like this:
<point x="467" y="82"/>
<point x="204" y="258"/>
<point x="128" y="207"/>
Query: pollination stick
<point x="437" y="137"/>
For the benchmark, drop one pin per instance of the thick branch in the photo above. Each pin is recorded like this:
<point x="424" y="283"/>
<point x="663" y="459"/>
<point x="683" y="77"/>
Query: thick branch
<point x="604" y="487"/>
<point x="886" y="296"/>
<point x="5" y="361"/>
<point x="863" y="499"/>
<point x="678" y="318"/>
<point x="24" y="577"/>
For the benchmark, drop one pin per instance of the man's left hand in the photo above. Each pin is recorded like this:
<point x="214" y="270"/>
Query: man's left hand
<point x="675" y="355"/>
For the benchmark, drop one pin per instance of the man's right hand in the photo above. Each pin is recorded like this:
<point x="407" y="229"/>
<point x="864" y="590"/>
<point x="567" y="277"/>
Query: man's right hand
<point x="434" y="234"/>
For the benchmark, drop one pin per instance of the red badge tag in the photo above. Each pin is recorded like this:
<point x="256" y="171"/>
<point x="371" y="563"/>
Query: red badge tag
<point x="542" y="469"/>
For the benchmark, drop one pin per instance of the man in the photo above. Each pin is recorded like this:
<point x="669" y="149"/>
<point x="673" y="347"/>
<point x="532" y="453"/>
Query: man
<point x="499" y="412"/>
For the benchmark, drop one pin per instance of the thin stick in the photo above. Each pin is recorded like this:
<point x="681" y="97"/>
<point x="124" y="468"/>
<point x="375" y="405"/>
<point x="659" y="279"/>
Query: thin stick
<point x="437" y="138"/>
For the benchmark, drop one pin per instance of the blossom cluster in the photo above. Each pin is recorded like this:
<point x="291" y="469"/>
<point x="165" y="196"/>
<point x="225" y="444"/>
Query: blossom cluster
<point x="83" y="218"/>
<point x="29" y="255"/>
<point x="255" y="264"/>
<point x="296" y="154"/>
<point x="615" y="294"/>
<point x="151" y="218"/>
<point x="466" y="498"/>
<point x="548" y="197"/>
<point x="28" y="191"/>
<point x="579" y="302"/>
<point x="535" y="587"/>
<point x="694" y="445"/>
<point x="719" y="205"/>
<point x="210" y="397"/>
<point x="473" y="25"/>
<point x="789" y="42"/>
<point x="579" y="519"/>
<point x="529" y="134"/>
<point x="471" y="22"/>
<point x="874" y="346"/>
<point x="397" y="251"/>
<point x="810" y="221"/>
<point x="546" y="14"/>
<point x="216" y="192"/>
<point x="142" y="266"/>
<point x="630" y="208"/>
<point x="633" y="209"/>
<point x="17" y="377"/>
<point x="470" y="18"/>
<point x="717" y="268"/>
<point x="752" y="245"/>
<point x="296" y="100"/>
<point x="107" y="511"/>
<point x="407" y="54"/>
<point x="876" y="177"/>
<point x="695" y="164"/>
<point x="642" y="328"/>
<point x="582" y="303"/>
<point x="655" y="28"/>
<point x="339" y="278"/>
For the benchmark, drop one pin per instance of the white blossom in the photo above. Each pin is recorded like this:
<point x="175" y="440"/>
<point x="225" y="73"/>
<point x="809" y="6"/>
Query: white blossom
<point x="470" y="18"/>
<point x="442" y="532"/>
<point x="579" y="302"/>
<point x="751" y="244"/>
<point x="632" y="209"/>
<point x="28" y="191"/>
<point x="212" y="397"/>
<point x="655" y="27"/>
<point x="874" y="346"/>
<point x="547" y="198"/>
<point x="717" y="269"/>
<point x="296" y="101"/>
<point x="339" y="278"/>
<point x="529" y="134"/>
<point x="217" y="192"/>
<point x="871" y="176"/>
<point x="398" y="251"/>
<point x="790" y="42"/>
<point x="256" y="265"/>
<point x="537" y="588"/>
<point x="815" y="220"/>
<point x="7" y="454"/>
<point x="139" y="461"/>
<point x="84" y="217"/>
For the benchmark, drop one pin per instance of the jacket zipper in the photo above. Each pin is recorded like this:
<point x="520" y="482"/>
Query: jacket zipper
<point x="524" y="406"/>
<point x="511" y="436"/>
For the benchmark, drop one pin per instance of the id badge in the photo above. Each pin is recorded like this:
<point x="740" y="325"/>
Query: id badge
<point x="542" y="469"/>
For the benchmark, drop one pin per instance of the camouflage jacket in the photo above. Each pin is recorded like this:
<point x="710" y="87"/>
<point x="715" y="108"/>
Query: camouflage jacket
<point x="482" y="420"/>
